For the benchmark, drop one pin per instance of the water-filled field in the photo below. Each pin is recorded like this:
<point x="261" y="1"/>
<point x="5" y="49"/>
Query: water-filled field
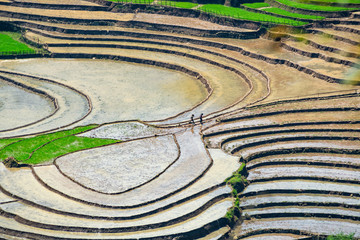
<point x="15" y="101"/>
<point x="118" y="90"/>
<point x="103" y="147"/>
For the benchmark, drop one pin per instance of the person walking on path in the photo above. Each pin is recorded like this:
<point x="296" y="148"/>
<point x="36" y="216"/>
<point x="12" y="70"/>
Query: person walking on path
<point x="201" y="118"/>
<point x="192" y="119"/>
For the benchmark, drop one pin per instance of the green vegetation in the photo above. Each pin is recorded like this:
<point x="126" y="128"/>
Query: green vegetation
<point x="10" y="44"/>
<point x="66" y="145"/>
<point x="178" y="4"/>
<point x="22" y="150"/>
<point x="290" y="14"/>
<point x="46" y="147"/>
<point x="246" y="15"/>
<point x="160" y="2"/>
<point x="238" y="183"/>
<point x="256" y="5"/>
<point x="341" y="236"/>
<point x="233" y="212"/>
<point x="313" y="7"/>
<point x="331" y="1"/>
<point x="6" y="141"/>
<point x="134" y="1"/>
<point x="237" y="180"/>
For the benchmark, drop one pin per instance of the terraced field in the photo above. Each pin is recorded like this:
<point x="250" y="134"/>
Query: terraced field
<point x="302" y="161"/>
<point x="96" y="140"/>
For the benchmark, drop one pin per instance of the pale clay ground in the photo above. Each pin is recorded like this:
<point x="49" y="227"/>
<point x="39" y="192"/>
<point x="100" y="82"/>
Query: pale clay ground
<point x="223" y="166"/>
<point x="119" y="167"/>
<point x="126" y="131"/>
<point x="25" y="105"/>
<point x="192" y="159"/>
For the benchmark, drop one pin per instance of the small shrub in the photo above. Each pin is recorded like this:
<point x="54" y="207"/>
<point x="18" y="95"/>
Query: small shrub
<point x="341" y="236"/>
<point x="237" y="202"/>
<point x="232" y="214"/>
<point x="238" y="180"/>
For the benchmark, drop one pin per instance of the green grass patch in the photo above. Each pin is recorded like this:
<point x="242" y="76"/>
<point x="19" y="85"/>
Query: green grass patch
<point x="290" y="14"/>
<point x="341" y="236"/>
<point x="4" y="142"/>
<point x="178" y="4"/>
<point x="313" y="7"/>
<point x="246" y="15"/>
<point x="64" y="146"/>
<point x="134" y="1"/>
<point x="256" y="5"/>
<point x="22" y="150"/>
<point x="10" y="44"/>
<point x="331" y="1"/>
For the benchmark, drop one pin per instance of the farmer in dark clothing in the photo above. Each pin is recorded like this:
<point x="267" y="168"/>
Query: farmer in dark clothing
<point x="192" y="119"/>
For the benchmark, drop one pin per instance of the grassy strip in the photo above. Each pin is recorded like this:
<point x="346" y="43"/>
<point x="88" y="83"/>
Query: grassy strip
<point x="134" y="1"/>
<point x="4" y="142"/>
<point x="178" y="4"/>
<point x="10" y="44"/>
<point x="22" y="150"/>
<point x="290" y="14"/>
<point x="331" y="1"/>
<point x="246" y="15"/>
<point x="314" y="7"/>
<point x="341" y="236"/>
<point x="64" y="146"/>
<point x="256" y="5"/>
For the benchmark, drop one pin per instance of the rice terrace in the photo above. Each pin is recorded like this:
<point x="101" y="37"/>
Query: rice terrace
<point x="205" y="119"/>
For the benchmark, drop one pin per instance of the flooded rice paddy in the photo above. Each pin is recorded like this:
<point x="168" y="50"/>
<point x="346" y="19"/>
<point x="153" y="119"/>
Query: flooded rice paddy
<point x="15" y="101"/>
<point x="118" y="90"/>
<point x="127" y="158"/>
<point x="72" y="106"/>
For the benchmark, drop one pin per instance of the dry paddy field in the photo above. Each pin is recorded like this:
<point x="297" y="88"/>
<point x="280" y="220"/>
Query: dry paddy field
<point x="99" y="126"/>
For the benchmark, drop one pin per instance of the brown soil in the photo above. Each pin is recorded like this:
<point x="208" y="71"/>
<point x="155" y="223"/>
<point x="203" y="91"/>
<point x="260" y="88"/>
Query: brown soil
<point x="327" y="41"/>
<point x="348" y="35"/>
<point x="99" y="15"/>
<point x="65" y="2"/>
<point x="350" y="26"/>
<point x="305" y="47"/>
<point x="288" y="82"/>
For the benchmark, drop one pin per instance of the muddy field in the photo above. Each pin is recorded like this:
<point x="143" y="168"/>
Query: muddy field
<point x="125" y="93"/>
<point x="192" y="116"/>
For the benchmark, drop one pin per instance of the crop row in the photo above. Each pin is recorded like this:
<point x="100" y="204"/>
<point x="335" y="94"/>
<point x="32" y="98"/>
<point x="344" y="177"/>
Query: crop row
<point x="313" y="7"/>
<point x="46" y="147"/>
<point x="239" y="13"/>
<point x="10" y="44"/>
